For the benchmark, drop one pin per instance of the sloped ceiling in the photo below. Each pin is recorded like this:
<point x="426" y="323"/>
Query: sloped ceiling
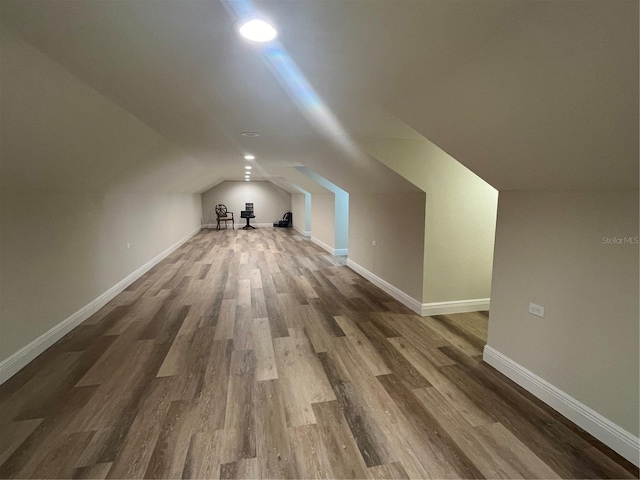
<point x="294" y="177"/>
<point x="59" y="134"/>
<point x="528" y="95"/>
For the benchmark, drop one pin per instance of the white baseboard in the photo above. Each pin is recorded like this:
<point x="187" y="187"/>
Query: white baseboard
<point x="458" y="306"/>
<point x="238" y="226"/>
<point x="323" y="245"/>
<point x="338" y="252"/>
<point x="304" y="233"/>
<point x="612" y="435"/>
<point x="385" y="286"/>
<point x="11" y="365"/>
<point x="423" y="309"/>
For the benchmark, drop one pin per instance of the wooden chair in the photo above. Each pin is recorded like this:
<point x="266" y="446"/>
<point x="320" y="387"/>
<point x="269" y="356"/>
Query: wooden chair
<point x="222" y="215"/>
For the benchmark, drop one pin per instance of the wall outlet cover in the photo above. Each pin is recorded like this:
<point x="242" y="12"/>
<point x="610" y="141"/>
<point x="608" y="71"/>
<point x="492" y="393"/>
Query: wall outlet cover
<point x="536" y="310"/>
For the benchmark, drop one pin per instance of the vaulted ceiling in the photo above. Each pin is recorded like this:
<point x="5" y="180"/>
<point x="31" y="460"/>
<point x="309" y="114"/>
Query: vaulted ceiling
<point x="528" y="95"/>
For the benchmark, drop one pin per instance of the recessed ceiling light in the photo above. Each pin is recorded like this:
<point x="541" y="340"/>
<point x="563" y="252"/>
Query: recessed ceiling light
<point x="246" y="179"/>
<point x="250" y="134"/>
<point x="257" y="31"/>
<point x="248" y="167"/>
<point x="249" y="157"/>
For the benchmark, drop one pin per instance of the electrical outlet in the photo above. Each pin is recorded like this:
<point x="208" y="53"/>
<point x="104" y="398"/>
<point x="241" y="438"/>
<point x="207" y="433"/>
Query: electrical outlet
<point x="373" y="242"/>
<point x="128" y="245"/>
<point x="536" y="310"/>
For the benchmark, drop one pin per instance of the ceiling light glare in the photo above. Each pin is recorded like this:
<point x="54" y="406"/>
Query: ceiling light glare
<point x="248" y="167"/>
<point x="250" y="134"/>
<point x="249" y="157"/>
<point x="246" y="179"/>
<point x="257" y="31"/>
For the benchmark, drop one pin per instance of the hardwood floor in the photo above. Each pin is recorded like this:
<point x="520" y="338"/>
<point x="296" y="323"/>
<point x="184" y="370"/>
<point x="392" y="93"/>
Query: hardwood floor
<point x="254" y="354"/>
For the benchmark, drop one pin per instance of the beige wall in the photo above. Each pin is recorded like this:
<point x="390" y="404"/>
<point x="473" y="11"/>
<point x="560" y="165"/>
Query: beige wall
<point x="459" y="232"/>
<point x="298" y="210"/>
<point x="61" y="250"/>
<point x="460" y="217"/>
<point x="323" y="218"/>
<point x="80" y="179"/>
<point x="398" y="254"/>
<point x="57" y="133"/>
<point x="270" y="202"/>
<point x="550" y="251"/>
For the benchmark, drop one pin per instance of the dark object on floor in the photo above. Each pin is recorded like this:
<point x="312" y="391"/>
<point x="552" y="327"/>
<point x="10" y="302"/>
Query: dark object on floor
<point x="287" y="221"/>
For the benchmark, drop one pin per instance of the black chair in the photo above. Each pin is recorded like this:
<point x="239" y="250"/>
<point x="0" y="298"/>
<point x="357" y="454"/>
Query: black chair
<point x="287" y="221"/>
<point x="222" y="215"/>
<point x="248" y="214"/>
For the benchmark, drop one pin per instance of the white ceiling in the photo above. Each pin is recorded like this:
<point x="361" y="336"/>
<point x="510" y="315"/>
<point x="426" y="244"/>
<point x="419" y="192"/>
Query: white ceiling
<point x="528" y="94"/>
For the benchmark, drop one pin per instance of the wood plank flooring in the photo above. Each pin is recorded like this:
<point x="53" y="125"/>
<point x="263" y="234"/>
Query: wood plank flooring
<point x="254" y="354"/>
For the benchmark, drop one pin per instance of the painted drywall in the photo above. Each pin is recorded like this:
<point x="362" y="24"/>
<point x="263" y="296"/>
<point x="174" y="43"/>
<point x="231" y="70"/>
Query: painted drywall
<point x="397" y="257"/>
<point x="460" y="217"/>
<point x="342" y="220"/>
<point x="459" y="232"/>
<point x="298" y="211"/>
<point x="554" y="249"/>
<point x="341" y="199"/>
<point x="81" y="177"/>
<point x="270" y="202"/>
<point x="307" y="211"/>
<point x="323" y="218"/>
<point x="58" y="133"/>
<point x="61" y="250"/>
